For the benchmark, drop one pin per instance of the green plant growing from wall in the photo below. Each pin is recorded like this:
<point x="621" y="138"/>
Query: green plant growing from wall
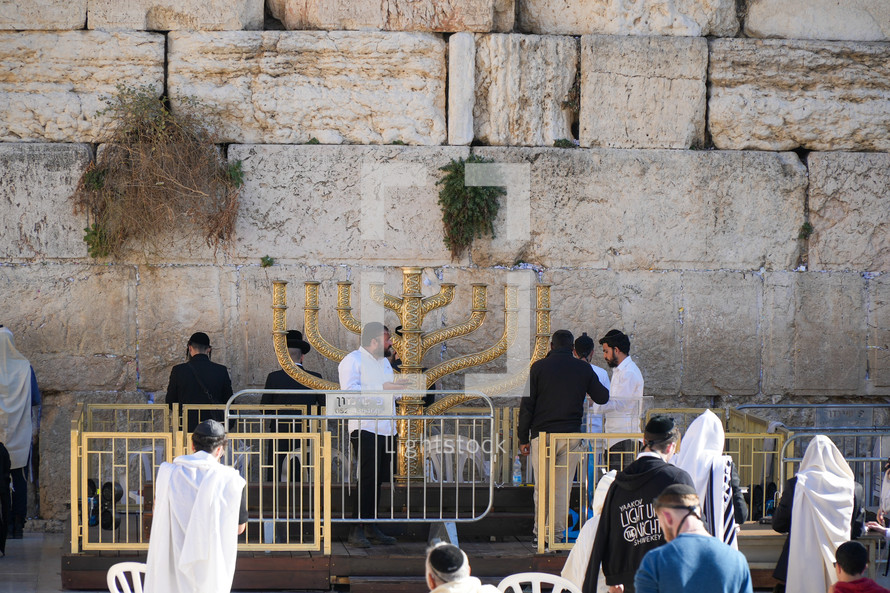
<point x="158" y="170"/>
<point x="267" y="261"/>
<point x="468" y="212"/>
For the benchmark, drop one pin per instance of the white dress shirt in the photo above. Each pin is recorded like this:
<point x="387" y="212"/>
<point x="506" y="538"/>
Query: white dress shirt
<point x="625" y="407"/>
<point x="361" y="371"/>
<point x="594" y="421"/>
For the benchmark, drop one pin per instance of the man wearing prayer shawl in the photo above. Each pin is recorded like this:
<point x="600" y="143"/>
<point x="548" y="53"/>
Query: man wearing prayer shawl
<point x="199" y="512"/>
<point x="821" y="497"/>
<point x="716" y="480"/>
<point x="575" y="568"/>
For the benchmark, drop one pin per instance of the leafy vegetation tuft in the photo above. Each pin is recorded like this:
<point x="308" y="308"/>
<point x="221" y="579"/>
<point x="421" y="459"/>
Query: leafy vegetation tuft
<point x="467" y="211"/>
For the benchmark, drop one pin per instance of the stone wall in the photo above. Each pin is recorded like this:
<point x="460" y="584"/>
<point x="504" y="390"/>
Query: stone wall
<point x="725" y="203"/>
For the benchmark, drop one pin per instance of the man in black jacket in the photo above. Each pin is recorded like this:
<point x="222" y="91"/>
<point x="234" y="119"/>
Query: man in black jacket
<point x="297" y="348"/>
<point x="628" y="527"/>
<point x="558" y="385"/>
<point x="199" y="381"/>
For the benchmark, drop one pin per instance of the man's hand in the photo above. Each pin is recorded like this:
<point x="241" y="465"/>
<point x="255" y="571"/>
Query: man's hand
<point x="875" y="526"/>
<point x="616" y="588"/>
<point x="525" y="449"/>
<point x="400" y="384"/>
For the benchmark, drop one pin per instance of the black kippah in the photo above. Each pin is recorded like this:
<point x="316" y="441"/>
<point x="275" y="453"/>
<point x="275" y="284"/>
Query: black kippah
<point x="210" y="428"/>
<point x="660" y="425"/>
<point x="679" y="490"/>
<point x="446" y="559"/>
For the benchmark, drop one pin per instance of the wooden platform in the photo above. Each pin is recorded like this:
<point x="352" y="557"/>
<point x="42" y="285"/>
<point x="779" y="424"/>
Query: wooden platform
<point x="395" y="569"/>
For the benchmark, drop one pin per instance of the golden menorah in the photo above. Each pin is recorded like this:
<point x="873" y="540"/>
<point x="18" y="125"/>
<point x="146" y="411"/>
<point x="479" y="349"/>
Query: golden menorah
<point x="411" y="309"/>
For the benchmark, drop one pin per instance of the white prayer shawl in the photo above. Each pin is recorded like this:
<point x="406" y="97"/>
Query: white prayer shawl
<point x="194" y="531"/>
<point x="885" y="493"/>
<point x="701" y="455"/>
<point x="820" y="517"/>
<point x="15" y="401"/>
<point x="575" y="568"/>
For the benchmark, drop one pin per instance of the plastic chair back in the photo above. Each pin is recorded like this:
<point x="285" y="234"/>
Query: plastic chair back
<point x="514" y="583"/>
<point x="117" y="575"/>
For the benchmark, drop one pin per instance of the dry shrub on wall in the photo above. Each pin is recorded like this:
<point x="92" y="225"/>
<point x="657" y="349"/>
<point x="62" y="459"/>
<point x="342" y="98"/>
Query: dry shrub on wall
<point x="159" y="170"/>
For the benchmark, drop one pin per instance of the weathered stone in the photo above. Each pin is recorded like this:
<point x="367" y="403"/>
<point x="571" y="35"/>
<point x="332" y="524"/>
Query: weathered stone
<point x="721" y="333"/>
<point x="852" y="20"/>
<point x="340" y="87"/>
<point x="680" y="210"/>
<point x="342" y="204"/>
<point x="849" y="211"/>
<point x="35" y="182"/>
<point x="176" y="301"/>
<point x="54" y="83"/>
<point x="643" y="92"/>
<point x="879" y="335"/>
<point x="389" y="15"/>
<point x="45" y="15"/>
<point x="522" y="82"/>
<point x="461" y="88"/>
<point x="55" y="446"/>
<point x="75" y="323"/>
<point x="644" y="305"/>
<point x="813" y="328"/>
<point x="780" y="95"/>
<point x="173" y="15"/>
<point x="504" y="15"/>
<point x="685" y="18"/>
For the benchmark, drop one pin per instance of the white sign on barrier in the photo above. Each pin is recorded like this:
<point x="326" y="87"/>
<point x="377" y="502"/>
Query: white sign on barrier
<point x="372" y="404"/>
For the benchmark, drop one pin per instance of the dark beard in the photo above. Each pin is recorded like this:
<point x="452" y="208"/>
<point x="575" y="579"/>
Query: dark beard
<point x="612" y="363"/>
<point x="388" y="352"/>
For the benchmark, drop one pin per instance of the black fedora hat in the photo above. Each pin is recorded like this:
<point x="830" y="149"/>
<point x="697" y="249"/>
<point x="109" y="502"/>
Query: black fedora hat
<point x="295" y="340"/>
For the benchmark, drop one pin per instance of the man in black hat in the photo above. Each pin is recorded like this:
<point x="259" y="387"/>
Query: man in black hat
<point x="628" y="527"/>
<point x="199" y="381"/>
<point x="199" y="511"/>
<point x="297" y="348"/>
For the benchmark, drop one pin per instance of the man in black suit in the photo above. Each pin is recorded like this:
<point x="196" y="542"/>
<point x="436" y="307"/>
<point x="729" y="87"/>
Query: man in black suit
<point x="297" y="348"/>
<point x="199" y="381"/>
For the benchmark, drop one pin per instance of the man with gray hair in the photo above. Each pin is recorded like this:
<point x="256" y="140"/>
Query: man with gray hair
<point x="448" y="571"/>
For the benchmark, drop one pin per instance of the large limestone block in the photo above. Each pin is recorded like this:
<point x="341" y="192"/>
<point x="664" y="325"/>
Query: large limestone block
<point x="43" y="15"/>
<point x="522" y="82"/>
<point x="176" y="301"/>
<point x="648" y="209"/>
<point x="391" y="15"/>
<point x="849" y="211"/>
<point x="879" y="334"/>
<point x="814" y="328"/>
<point x="35" y="183"/>
<point x="173" y="15"/>
<point x="340" y="87"/>
<point x="643" y="92"/>
<point x="853" y="20"/>
<point x="461" y="88"/>
<point x="342" y="204"/>
<point x="780" y="95"/>
<point x="75" y="323"/>
<point x="644" y="305"/>
<point x="721" y="333"/>
<point x="685" y="18"/>
<point x="54" y="83"/>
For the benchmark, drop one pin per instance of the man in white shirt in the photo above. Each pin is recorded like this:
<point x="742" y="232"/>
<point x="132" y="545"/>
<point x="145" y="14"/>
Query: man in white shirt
<point x="367" y="369"/>
<point x="199" y="511"/>
<point x="626" y="390"/>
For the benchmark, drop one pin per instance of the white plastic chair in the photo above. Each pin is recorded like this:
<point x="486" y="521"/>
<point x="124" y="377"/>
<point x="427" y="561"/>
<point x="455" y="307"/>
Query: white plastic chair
<point x="118" y="574"/>
<point x="440" y="451"/>
<point x="514" y="582"/>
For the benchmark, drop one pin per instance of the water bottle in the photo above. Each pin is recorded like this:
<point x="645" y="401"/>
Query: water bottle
<point x="517" y="472"/>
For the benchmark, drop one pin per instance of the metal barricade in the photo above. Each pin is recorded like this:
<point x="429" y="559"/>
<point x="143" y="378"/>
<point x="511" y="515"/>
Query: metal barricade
<point x="430" y="468"/>
<point x="844" y="416"/>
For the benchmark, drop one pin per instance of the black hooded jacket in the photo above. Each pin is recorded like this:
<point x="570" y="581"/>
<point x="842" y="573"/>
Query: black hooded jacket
<point x="628" y="527"/>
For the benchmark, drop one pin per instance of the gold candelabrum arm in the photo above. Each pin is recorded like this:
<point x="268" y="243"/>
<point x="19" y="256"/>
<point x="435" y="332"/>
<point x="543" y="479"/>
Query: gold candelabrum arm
<point x="474" y="322"/>
<point x="279" y="341"/>
<point x="382" y="298"/>
<point x="511" y="322"/>
<point x="442" y="299"/>
<point x="542" y="343"/>
<point x="344" y="308"/>
<point x="310" y="326"/>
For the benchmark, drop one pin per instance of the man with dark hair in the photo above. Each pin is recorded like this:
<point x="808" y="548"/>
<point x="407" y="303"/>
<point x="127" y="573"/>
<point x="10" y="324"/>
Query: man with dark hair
<point x="692" y="560"/>
<point x="851" y="564"/>
<point x="626" y="391"/>
<point x="558" y="385"/>
<point x="198" y="381"/>
<point x="297" y="348"/>
<point x="584" y="351"/>
<point x="367" y="369"/>
<point x="448" y="571"/>
<point x="628" y="527"/>
<point x="198" y="513"/>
